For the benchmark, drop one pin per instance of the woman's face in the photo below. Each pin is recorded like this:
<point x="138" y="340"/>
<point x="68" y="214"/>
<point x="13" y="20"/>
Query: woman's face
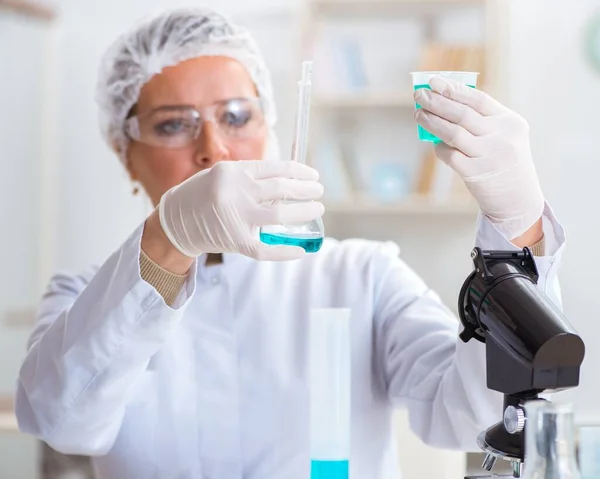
<point x="198" y="83"/>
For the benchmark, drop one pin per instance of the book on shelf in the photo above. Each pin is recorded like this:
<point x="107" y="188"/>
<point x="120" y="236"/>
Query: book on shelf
<point x="339" y="66"/>
<point x="450" y="57"/>
<point x="328" y="159"/>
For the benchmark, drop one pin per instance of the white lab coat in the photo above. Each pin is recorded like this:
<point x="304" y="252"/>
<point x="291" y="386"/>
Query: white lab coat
<point x="216" y="387"/>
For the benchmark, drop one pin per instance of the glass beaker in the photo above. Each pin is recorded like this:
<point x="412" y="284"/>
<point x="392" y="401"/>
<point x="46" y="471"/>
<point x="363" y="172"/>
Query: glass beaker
<point x="550" y="441"/>
<point x="421" y="80"/>
<point x="309" y="235"/>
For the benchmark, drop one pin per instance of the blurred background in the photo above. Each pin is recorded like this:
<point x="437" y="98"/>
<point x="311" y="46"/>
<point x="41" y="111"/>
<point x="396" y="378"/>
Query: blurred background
<point x="67" y="202"/>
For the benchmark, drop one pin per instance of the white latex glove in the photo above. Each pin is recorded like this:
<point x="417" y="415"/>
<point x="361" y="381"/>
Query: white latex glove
<point x="488" y="146"/>
<point x="218" y="210"/>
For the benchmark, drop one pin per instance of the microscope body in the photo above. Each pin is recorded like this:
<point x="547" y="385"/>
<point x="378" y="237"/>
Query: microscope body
<point x="530" y="346"/>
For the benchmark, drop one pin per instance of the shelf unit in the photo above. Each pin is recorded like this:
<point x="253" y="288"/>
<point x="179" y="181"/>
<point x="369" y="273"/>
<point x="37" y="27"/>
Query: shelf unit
<point x="364" y="100"/>
<point x="8" y="421"/>
<point x="349" y="7"/>
<point x="413" y="205"/>
<point x="392" y="3"/>
<point x="343" y="106"/>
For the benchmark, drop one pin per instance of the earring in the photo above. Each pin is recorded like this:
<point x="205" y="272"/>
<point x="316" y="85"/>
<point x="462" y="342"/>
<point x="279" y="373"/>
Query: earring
<point x="136" y="188"/>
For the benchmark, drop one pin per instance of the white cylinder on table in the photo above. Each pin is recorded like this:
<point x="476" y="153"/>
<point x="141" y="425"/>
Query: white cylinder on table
<point x="330" y="393"/>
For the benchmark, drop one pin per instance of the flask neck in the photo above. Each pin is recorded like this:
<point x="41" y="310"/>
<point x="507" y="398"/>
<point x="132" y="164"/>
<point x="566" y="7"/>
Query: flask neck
<point x="549" y="441"/>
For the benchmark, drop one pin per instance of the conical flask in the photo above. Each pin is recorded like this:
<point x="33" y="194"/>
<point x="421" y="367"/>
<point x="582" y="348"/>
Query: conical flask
<point x="307" y="235"/>
<point x="550" y="441"/>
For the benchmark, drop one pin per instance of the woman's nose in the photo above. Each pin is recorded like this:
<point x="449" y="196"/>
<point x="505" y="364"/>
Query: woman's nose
<point x="211" y="146"/>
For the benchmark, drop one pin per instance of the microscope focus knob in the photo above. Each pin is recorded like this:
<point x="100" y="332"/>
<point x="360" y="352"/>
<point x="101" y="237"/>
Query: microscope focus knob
<point x="514" y="419"/>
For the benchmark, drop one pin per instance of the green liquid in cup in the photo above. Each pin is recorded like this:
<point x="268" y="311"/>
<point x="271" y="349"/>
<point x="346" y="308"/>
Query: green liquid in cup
<point x="424" y="135"/>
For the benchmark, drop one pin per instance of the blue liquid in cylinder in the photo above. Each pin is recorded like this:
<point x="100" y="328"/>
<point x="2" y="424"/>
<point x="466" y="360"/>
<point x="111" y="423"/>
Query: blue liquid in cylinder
<point x="329" y="469"/>
<point x="310" y="243"/>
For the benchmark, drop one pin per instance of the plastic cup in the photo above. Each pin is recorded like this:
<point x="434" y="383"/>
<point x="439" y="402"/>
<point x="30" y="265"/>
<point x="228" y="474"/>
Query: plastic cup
<point x="421" y="80"/>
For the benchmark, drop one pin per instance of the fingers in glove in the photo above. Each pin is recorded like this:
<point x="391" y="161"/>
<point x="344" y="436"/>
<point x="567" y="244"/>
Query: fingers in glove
<point x="279" y="213"/>
<point x="263" y="252"/>
<point x="478" y="100"/>
<point x="454" y="112"/>
<point x="450" y="133"/>
<point x="281" y="169"/>
<point x="463" y="165"/>
<point x="272" y="189"/>
<point x="455" y="159"/>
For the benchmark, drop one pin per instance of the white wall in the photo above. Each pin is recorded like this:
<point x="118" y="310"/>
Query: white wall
<point x="20" y="127"/>
<point x="21" y="87"/>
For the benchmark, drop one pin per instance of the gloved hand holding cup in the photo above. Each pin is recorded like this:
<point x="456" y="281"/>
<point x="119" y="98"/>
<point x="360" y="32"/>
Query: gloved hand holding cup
<point x="486" y="144"/>
<point x="421" y="80"/>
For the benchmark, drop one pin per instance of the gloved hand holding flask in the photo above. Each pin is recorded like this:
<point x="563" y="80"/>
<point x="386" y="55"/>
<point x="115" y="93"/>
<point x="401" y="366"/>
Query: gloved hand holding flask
<point x="309" y="234"/>
<point x="220" y="209"/>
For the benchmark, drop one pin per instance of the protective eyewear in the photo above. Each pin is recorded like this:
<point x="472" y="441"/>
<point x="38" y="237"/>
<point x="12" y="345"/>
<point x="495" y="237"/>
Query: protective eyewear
<point x="180" y="126"/>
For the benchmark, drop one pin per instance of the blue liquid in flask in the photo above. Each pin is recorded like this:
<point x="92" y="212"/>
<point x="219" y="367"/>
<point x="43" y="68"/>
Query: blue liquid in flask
<point x="307" y="235"/>
<point x="329" y="469"/>
<point x="311" y="243"/>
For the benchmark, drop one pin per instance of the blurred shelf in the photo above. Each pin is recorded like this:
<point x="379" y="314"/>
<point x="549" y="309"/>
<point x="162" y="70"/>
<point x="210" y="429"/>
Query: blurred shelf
<point x="414" y="205"/>
<point x="8" y="421"/>
<point x="396" y="2"/>
<point x="364" y="100"/>
<point x="19" y="318"/>
<point x="348" y="6"/>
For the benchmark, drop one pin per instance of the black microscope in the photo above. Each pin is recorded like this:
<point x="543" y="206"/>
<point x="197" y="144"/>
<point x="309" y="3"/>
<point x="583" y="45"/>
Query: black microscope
<point x="530" y="346"/>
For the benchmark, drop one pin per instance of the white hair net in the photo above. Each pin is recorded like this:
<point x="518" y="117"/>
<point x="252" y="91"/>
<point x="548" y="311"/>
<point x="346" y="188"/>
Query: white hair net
<point x="166" y="40"/>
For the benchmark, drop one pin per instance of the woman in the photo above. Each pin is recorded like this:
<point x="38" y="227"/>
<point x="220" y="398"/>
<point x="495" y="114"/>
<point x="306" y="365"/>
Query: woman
<point x="184" y="354"/>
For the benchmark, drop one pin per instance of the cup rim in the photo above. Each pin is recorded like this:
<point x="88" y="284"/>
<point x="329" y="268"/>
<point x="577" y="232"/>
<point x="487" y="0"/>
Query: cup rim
<point x="426" y="72"/>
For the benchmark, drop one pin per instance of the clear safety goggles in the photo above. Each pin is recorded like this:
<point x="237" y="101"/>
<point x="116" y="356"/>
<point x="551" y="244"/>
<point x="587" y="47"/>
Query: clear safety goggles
<point x="180" y="126"/>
